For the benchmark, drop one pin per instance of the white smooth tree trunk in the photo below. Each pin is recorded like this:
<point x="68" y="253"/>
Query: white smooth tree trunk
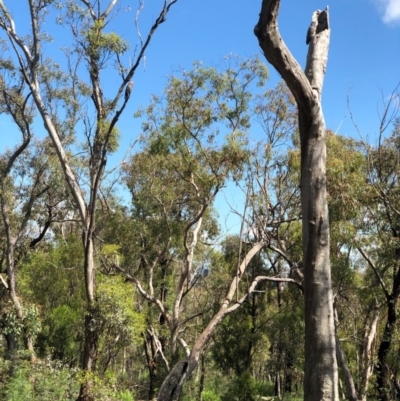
<point x="367" y="353"/>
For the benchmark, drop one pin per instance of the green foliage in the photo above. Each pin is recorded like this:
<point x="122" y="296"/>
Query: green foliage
<point x="195" y="141"/>
<point x="43" y="381"/>
<point x="19" y="387"/>
<point x="60" y="334"/>
<point x="105" y="388"/>
<point x="115" y="314"/>
<point x="346" y="168"/>
<point x="101" y="44"/>
<point x="53" y="276"/>
<point x="104" y="136"/>
<point x="209" y="395"/>
<point x="48" y="380"/>
<point x="277" y="114"/>
<point x="53" y="279"/>
<point x="31" y="320"/>
<point x="242" y="388"/>
<point x="198" y="106"/>
<point x="9" y="322"/>
<point x="124" y="395"/>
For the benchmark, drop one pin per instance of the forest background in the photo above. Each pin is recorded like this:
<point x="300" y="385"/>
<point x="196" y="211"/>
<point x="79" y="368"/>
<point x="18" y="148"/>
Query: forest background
<point x="163" y="255"/>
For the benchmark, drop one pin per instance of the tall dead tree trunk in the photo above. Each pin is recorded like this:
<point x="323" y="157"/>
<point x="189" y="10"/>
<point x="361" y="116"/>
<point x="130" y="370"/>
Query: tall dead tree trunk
<point x="321" y="376"/>
<point x="383" y="371"/>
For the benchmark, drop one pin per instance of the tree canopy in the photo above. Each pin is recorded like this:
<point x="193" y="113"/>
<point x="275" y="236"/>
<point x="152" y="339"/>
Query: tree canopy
<point x="123" y="277"/>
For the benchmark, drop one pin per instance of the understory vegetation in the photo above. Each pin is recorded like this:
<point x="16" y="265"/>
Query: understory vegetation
<point x="185" y="259"/>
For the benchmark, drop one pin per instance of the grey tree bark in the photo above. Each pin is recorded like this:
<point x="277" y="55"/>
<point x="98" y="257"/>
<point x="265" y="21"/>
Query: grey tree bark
<point x="321" y="375"/>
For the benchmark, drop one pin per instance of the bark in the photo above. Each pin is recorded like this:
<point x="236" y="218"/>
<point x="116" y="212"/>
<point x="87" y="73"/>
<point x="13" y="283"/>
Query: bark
<point x="191" y="230"/>
<point x="321" y="376"/>
<point x="369" y="337"/>
<point x="11" y="240"/>
<point x="202" y="377"/>
<point x="151" y="364"/>
<point x="277" y="385"/>
<point x="92" y="333"/>
<point x="383" y="373"/>
<point x="171" y="388"/>
<point x="11" y="287"/>
<point x="13" y="236"/>
<point x="289" y="372"/>
<point x="11" y="348"/>
<point x="348" y="378"/>
<point x="344" y="367"/>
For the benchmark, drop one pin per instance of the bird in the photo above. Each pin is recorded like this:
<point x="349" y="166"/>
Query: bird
<point x="128" y="90"/>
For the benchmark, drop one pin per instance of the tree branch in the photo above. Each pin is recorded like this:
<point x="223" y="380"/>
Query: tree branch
<point x="375" y="270"/>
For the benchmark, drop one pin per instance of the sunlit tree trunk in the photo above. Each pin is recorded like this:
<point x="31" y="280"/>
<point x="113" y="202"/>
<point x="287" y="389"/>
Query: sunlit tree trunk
<point x="321" y="375"/>
<point x="366" y="352"/>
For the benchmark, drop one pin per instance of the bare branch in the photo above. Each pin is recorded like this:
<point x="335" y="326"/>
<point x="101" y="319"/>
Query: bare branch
<point x="278" y="54"/>
<point x="90" y="8"/>
<point x="375" y="270"/>
<point x="144" y="293"/>
<point x="160" y="19"/>
<point x="253" y="286"/>
<point x="108" y="10"/>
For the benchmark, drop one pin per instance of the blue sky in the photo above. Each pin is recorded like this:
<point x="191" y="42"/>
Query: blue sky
<point x="364" y="55"/>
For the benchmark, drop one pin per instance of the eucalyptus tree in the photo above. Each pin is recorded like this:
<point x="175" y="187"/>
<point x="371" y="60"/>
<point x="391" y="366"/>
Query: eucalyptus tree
<point x="174" y="182"/>
<point x="379" y="240"/>
<point x="186" y="136"/>
<point x="31" y="196"/>
<point x="321" y="375"/>
<point x="93" y="50"/>
<point x="346" y="177"/>
<point x="21" y="185"/>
